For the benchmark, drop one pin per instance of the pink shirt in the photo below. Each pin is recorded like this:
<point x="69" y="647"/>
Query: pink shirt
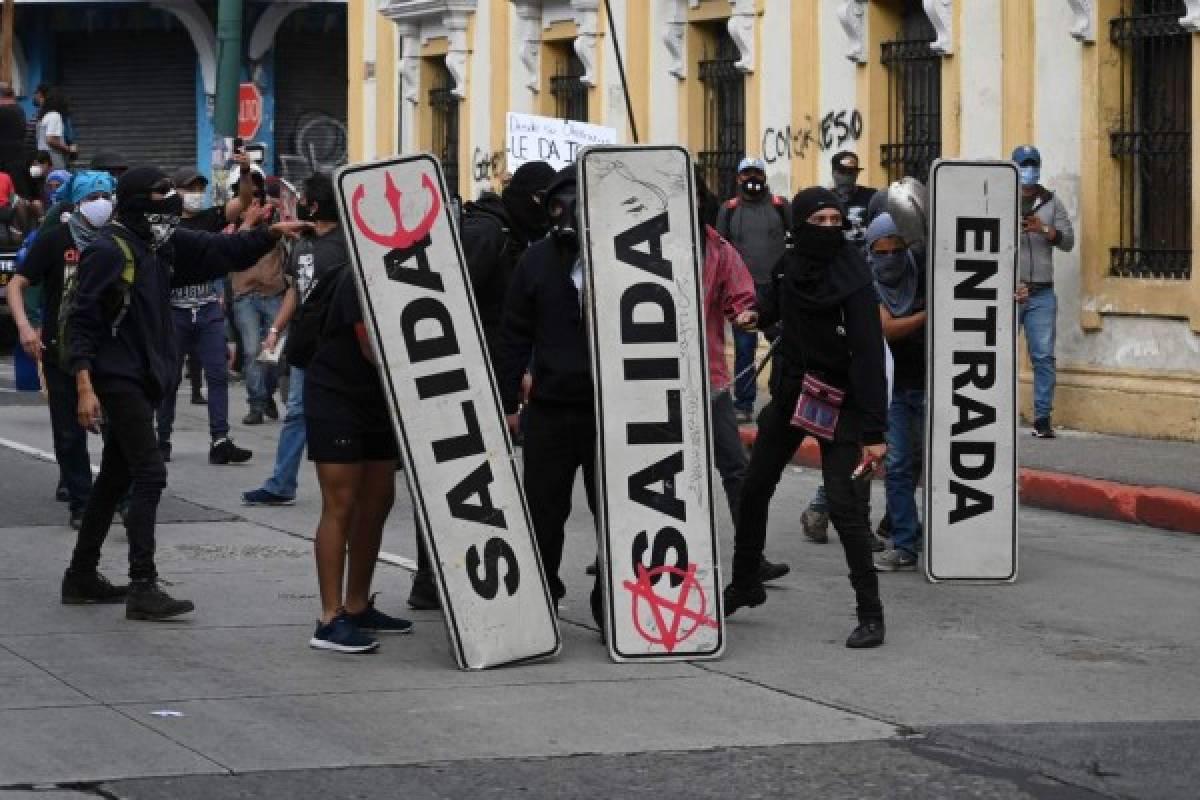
<point x="728" y="291"/>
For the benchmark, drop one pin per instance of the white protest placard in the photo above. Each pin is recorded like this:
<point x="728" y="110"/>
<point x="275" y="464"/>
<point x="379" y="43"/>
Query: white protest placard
<point x="555" y="141"/>
<point x="419" y="308"/>
<point x="661" y="571"/>
<point x="971" y="413"/>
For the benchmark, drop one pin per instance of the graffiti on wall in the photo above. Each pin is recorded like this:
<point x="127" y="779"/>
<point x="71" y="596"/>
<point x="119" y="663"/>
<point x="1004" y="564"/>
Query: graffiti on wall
<point x="835" y="130"/>
<point x="317" y="143"/>
<point x="487" y="167"/>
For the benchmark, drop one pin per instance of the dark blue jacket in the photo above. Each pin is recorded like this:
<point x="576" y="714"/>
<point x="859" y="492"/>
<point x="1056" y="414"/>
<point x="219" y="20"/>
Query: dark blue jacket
<point x="141" y="351"/>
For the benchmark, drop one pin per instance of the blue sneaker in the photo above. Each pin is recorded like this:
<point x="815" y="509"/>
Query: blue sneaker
<point x="261" y="497"/>
<point x="342" y="636"/>
<point x="373" y="620"/>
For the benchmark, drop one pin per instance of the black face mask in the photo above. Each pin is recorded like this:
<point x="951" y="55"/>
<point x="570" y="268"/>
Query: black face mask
<point x="818" y="242"/>
<point x="304" y="213"/>
<point x="564" y="217"/>
<point x="528" y="216"/>
<point x="753" y="187"/>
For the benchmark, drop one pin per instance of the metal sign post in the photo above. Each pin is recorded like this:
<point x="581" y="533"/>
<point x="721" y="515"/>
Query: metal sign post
<point x="644" y="307"/>
<point x="419" y="308"/>
<point x="971" y="409"/>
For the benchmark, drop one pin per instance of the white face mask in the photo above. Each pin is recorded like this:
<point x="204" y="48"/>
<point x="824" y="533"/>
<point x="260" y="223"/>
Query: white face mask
<point x="36" y="172"/>
<point x="97" y="212"/>
<point x="194" y="202"/>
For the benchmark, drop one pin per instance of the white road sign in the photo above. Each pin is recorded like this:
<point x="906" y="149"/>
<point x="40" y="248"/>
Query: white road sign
<point x="644" y="306"/>
<point x="971" y="450"/>
<point x="417" y="303"/>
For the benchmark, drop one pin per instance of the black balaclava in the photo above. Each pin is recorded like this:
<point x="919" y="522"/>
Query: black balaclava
<point x="562" y="207"/>
<point x="823" y="268"/>
<point x="150" y="220"/>
<point x="522" y="202"/>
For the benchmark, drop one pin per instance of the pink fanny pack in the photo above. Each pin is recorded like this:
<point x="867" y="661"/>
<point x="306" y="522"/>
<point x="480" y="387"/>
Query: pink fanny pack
<point x="818" y="407"/>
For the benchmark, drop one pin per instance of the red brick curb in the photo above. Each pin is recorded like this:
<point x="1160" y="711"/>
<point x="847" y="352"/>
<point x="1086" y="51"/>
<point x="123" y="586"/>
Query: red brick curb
<point x="1157" y="506"/>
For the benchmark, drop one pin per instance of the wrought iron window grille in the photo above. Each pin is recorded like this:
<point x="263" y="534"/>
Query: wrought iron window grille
<point x="724" y="93"/>
<point x="914" y="70"/>
<point x="444" y="105"/>
<point x="567" y="88"/>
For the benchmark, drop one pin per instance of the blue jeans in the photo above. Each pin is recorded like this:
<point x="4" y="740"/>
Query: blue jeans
<point x="745" y="345"/>
<point x="253" y="314"/>
<point x="70" y="439"/>
<point x="905" y="438"/>
<point x="292" y="438"/>
<point x="1039" y="316"/>
<point x="202" y="333"/>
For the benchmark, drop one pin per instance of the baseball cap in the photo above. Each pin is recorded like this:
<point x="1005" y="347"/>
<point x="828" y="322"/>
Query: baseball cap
<point x="1026" y="152"/>
<point x="846" y="160"/>
<point x="185" y="176"/>
<point x="749" y="162"/>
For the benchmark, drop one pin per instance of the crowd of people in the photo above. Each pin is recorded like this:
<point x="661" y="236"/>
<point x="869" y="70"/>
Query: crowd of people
<point x="146" y="281"/>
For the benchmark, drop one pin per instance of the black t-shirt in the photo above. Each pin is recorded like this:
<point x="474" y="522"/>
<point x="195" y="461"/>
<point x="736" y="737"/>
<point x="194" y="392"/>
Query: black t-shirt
<point x="210" y="220"/>
<point x="340" y="384"/>
<point x="314" y="257"/>
<point x="908" y="354"/>
<point x="856" y="213"/>
<point x="51" y="262"/>
<point x="12" y="130"/>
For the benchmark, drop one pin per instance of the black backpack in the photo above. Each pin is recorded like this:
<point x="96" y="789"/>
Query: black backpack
<point x="308" y="325"/>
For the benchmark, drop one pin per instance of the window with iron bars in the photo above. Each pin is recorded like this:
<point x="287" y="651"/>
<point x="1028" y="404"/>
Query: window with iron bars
<point x="724" y="143"/>
<point x="443" y="104"/>
<point x="914" y="71"/>
<point x="1153" y="142"/>
<point x="567" y="88"/>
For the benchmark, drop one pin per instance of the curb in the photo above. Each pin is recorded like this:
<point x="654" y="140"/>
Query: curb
<point x="1156" y="506"/>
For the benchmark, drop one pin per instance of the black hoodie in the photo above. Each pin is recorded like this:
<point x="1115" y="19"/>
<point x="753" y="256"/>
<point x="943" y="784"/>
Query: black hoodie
<point x="491" y="248"/>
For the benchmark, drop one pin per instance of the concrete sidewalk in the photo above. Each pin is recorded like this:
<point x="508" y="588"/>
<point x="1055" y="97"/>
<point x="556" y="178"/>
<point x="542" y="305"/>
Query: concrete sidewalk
<point x="1140" y="481"/>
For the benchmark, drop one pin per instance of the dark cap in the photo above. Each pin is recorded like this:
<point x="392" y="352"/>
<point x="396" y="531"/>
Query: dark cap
<point x="811" y="200"/>
<point x="563" y="179"/>
<point x="846" y="159"/>
<point x="185" y="176"/>
<point x="532" y="176"/>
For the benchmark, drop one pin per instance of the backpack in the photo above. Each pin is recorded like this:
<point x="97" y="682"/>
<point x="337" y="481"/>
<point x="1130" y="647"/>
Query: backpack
<point x="307" y="327"/>
<point x="116" y="303"/>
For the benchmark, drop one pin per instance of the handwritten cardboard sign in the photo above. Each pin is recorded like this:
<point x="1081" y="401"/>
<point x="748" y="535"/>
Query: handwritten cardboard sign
<point x="555" y="141"/>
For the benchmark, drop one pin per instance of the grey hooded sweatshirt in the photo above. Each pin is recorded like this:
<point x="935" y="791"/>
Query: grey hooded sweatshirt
<point x="1037" y="254"/>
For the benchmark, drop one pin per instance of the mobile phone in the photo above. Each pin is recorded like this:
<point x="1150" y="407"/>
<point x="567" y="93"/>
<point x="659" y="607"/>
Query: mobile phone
<point x="239" y="146"/>
<point x="865" y="470"/>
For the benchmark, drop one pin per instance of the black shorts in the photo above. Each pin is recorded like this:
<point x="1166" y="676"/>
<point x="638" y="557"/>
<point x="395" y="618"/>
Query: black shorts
<point x="336" y="442"/>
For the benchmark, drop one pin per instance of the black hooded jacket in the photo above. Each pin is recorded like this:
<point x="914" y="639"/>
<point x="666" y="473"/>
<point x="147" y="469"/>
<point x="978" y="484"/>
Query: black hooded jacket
<point x="141" y="351"/>
<point x="841" y="344"/>
<point x="491" y="247"/>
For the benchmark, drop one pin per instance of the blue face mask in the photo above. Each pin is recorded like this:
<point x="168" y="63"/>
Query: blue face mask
<point x="888" y="268"/>
<point x="1031" y="176"/>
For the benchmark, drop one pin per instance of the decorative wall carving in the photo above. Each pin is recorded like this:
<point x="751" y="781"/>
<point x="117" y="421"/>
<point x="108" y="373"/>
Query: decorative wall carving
<point x="1084" y="27"/>
<point x="1191" y="17"/>
<point x="585" y="43"/>
<point x="853" y="16"/>
<point x="410" y="61"/>
<point x="941" y="15"/>
<point x="741" y="30"/>
<point x="456" y="52"/>
<point x="529" y="36"/>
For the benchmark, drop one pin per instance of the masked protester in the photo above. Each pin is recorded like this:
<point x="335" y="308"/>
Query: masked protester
<point x="755" y="222"/>
<point x="198" y="316"/>
<point x="52" y="263"/>
<point x="495" y="231"/>
<point x="544" y="321"/>
<point x="856" y="199"/>
<point x="121" y="347"/>
<point x="1045" y="227"/>
<point x="831" y="342"/>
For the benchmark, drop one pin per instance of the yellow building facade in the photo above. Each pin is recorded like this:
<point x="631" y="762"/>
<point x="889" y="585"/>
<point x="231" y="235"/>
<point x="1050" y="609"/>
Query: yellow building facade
<point x="1107" y="89"/>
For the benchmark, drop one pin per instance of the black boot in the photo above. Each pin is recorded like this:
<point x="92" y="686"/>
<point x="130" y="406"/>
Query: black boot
<point x="738" y="596"/>
<point x="869" y="633"/>
<point x="86" y="588"/>
<point x="424" y="596"/>
<point x="149" y="601"/>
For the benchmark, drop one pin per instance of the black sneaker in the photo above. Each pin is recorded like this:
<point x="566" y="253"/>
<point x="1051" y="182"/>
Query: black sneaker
<point x="271" y="410"/>
<point x="743" y="597"/>
<point x="342" y="636"/>
<point x="1042" y="428"/>
<point x="869" y="633"/>
<point x="424" y="596"/>
<point x="165" y="449"/>
<point x="76" y="520"/>
<point x="253" y="418"/>
<point x="61" y="494"/>
<point x="224" y="451"/>
<point x="82" y="589"/>
<point x="372" y="620"/>
<point x="150" y="602"/>
<point x="771" y="572"/>
<point x="261" y="497"/>
<point x="198" y="398"/>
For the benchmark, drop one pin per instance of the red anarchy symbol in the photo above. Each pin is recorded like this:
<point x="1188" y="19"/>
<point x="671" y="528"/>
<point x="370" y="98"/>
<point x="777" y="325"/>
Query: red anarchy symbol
<point x="669" y="616"/>
<point x="401" y="238"/>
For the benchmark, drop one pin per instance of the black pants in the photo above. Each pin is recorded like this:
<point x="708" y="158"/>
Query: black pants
<point x="558" y="441"/>
<point x="729" y="453"/>
<point x="70" y="439"/>
<point x="131" y="462"/>
<point x="848" y="510"/>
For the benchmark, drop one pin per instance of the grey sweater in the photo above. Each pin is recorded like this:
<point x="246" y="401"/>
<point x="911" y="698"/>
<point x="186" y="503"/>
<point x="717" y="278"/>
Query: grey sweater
<point x="1037" y="254"/>
<point x="758" y="229"/>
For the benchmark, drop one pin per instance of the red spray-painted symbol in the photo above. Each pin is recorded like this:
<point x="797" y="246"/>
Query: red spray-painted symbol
<point x="670" y="622"/>
<point x="401" y="238"/>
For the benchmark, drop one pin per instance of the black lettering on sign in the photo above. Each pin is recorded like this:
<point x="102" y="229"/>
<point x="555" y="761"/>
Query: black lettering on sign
<point x="428" y="309"/>
<point x="972" y="415"/>
<point x="971" y="287"/>
<point x="980" y="227"/>
<point x="984" y="451"/>
<point x="649" y="233"/>
<point x="645" y="331"/>
<point x="664" y="472"/>
<point x="667" y="432"/>
<point x="985" y="325"/>
<point x="651" y="369"/>
<point x="980" y="369"/>
<point x="477" y="484"/>
<point x="468" y="444"/>
<point x="968" y="502"/>
<point x="666" y="540"/>
<point x="420" y="275"/>
<point x="442" y="383"/>
<point x="495" y="551"/>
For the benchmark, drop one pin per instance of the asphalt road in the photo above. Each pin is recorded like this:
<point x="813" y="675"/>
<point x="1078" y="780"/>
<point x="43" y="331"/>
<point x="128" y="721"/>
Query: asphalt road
<point x="1078" y="681"/>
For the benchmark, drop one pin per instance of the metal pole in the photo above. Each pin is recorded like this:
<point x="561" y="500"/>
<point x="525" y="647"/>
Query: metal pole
<point x="6" y="43"/>
<point x="612" y="30"/>
<point x="229" y="67"/>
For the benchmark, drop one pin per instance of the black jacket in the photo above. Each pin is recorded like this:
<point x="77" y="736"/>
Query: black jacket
<point x="842" y="345"/>
<point x="141" y="351"/>
<point x="543" y="318"/>
<point x="491" y="248"/>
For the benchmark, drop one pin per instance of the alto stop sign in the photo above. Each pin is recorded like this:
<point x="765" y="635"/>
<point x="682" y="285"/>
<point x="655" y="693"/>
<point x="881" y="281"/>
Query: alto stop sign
<point x="250" y="110"/>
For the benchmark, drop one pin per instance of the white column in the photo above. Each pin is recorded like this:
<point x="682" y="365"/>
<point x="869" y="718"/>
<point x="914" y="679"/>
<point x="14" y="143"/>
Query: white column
<point x="365" y="72"/>
<point x="981" y="62"/>
<point x="839" y="95"/>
